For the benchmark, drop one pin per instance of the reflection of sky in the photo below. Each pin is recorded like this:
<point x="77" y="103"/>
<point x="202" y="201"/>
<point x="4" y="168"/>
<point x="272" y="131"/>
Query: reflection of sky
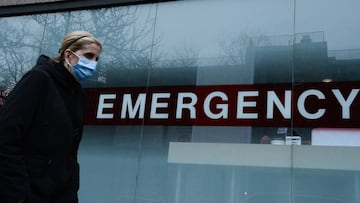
<point x="338" y="19"/>
<point x="203" y="24"/>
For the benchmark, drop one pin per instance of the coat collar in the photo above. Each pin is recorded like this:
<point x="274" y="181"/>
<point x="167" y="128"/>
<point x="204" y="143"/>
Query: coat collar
<point x="57" y="71"/>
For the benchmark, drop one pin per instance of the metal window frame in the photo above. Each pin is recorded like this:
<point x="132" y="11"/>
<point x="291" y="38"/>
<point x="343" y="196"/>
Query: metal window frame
<point x="66" y="5"/>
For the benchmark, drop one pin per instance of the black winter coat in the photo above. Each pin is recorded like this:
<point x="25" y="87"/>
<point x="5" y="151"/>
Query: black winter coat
<point x="40" y="130"/>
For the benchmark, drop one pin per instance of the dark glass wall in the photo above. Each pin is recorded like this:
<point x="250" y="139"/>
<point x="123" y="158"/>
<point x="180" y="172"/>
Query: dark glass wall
<point x="212" y="46"/>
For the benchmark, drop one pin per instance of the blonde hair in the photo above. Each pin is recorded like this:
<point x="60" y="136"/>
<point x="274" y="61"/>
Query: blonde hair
<point x="75" y="41"/>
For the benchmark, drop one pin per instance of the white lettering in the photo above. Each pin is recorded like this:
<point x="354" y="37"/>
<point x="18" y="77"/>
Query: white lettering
<point x="224" y="107"/>
<point x="133" y="110"/>
<point x="345" y="104"/>
<point x="190" y="106"/>
<point x="310" y="104"/>
<point x="272" y="99"/>
<point x="102" y="105"/>
<point x="241" y="104"/>
<point x="155" y="105"/>
<point x="301" y="104"/>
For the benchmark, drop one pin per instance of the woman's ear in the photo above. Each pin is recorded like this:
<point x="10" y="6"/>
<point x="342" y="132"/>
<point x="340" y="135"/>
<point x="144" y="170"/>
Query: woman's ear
<point x="67" y="54"/>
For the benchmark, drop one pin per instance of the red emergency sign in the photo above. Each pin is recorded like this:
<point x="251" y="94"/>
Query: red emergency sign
<point x="302" y="105"/>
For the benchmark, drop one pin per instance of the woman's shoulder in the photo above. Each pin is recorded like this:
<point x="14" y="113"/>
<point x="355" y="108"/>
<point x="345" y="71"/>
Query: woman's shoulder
<point x="35" y="77"/>
<point x="42" y="68"/>
<point x="38" y="74"/>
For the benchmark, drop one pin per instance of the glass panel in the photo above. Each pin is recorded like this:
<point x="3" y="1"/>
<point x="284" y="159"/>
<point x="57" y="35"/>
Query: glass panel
<point x="108" y="155"/>
<point x="108" y="163"/>
<point x="215" y="48"/>
<point x="177" y="72"/>
<point x="327" y="60"/>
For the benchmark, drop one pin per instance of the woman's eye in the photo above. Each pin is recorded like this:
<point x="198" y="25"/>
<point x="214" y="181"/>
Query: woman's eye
<point x="89" y="56"/>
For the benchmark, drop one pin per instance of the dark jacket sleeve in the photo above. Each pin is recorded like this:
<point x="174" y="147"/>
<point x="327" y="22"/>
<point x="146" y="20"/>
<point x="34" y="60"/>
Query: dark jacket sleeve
<point x="15" y="120"/>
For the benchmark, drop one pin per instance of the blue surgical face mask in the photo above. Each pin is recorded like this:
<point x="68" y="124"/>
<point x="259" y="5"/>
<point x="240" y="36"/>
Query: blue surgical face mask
<point x="84" y="68"/>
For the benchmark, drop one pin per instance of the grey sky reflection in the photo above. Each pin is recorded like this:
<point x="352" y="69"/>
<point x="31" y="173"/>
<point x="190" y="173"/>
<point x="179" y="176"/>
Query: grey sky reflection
<point x="338" y="19"/>
<point x="203" y="24"/>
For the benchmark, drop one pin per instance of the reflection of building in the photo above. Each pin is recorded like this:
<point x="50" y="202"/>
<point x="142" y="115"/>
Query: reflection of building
<point x="306" y="61"/>
<point x="285" y="63"/>
<point x="342" y="68"/>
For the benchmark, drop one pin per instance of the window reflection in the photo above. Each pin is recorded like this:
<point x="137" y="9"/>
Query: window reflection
<point x="209" y="43"/>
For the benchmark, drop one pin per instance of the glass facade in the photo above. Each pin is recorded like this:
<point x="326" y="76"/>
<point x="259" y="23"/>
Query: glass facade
<point x="211" y="101"/>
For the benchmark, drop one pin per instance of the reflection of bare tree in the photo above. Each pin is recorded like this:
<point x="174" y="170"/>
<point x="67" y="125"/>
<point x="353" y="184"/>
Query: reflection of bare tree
<point x="55" y="26"/>
<point x="16" y="50"/>
<point x="126" y="35"/>
<point x="234" y="50"/>
<point x="124" y="31"/>
<point x="186" y="56"/>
